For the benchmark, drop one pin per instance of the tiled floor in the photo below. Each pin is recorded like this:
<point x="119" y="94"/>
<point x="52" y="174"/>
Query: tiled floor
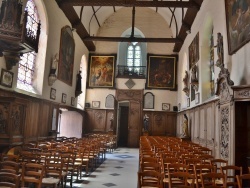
<point x="118" y="170"/>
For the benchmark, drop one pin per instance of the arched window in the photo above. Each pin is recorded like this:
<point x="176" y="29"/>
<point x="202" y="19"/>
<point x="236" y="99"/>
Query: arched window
<point x="134" y="56"/>
<point x="26" y="67"/>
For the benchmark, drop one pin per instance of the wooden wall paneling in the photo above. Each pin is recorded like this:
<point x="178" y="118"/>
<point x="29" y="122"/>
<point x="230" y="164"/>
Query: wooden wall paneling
<point x="202" y="126"/>
<point x="210" y="125"/>
<point x="170" y="129"/>
<point x="45" y="119"/>
<point x="99" y="123"/>
<point x="192" y="125"/>
<point x="159" y="124"/>
<point x="32" y="124"/>
<point x="197" y="124"/>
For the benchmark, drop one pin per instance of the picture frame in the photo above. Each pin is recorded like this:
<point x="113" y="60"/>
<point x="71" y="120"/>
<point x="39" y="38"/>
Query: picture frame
<point x="197" y="98"/>
<point x="72" y="101"/>
<point x="64" y="98"/>
<point x="53" y="93"/>
<point x="237" y="31"/>
<point x="194" y="52"/>
<point x="101" y="71"/>
<point x="110" y="101"/>
<point x="188" y="102"/>
<point x="165" y="106"/>
<point x="66" y="56"/>
<point x="148" y="100"/>
<point x="162" y="71"/>
<point x="95" y="104"/>
<point x="6" y="78"/>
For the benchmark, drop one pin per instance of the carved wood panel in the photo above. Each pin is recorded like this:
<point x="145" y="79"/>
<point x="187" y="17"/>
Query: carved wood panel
<point x="134" y="124"/>
<point x="159" y="121"/>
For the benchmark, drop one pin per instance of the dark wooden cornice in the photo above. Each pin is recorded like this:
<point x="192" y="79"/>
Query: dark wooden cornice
<point x="129" y="3"/>
<point x="134" y="39"/>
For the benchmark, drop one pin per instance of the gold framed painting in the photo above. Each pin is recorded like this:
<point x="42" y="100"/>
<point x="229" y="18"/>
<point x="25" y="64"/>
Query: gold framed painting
<point x="66" y="56"/>
<point x="237" y="19"/>
<point x="162" y="71"/>
<point x="101" y="71"/>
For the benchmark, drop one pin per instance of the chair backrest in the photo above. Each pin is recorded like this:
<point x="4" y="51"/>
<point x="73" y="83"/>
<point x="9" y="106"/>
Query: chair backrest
<point x="180" y="179"/>
<point x="231" y="171"/>
<point x="6" y="157"/>
<point x="9" y="166"/>
<point x="9" y="180"/>
<point x="218" y="163"/>
<point x="32" y="173"/>
<point x="210" y="180"/>
<point x="243" y="180"/>
<point x="199" y="169"/>
<point x="150" y="166"/>
<point x="151" y="179"/>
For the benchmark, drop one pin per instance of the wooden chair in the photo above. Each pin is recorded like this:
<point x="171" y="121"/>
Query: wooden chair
<point x="231" y="171"/>
<point x="200" y="169"/>
<point x="205" y="158"/>
<point x="208" y="180"/>
<point x="9" y="166"/>
<point x="172" y="168"/>
<point x="179" y="179"/>
<point x="218" y="163"/>
<point x="32" y="173"/>
<point x="243" y="180"/>
<point x="9" y="180"/>
<point x="53" y="172"/>
<point x="151" y="166"/>
<point x="150" y="179"/>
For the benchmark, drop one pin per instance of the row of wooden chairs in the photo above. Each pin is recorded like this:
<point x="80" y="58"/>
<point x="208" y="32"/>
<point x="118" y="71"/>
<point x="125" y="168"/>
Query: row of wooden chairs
<point x="195" y="170"/>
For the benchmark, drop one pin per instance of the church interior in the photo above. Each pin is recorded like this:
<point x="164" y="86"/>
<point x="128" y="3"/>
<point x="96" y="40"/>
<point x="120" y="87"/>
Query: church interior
<point x="103" y="78"/>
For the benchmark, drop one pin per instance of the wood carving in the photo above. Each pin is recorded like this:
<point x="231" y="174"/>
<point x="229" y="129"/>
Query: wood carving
<point x="15" y="37"/>
<point x="225" y="132"/>
<point x="186" y="85"/>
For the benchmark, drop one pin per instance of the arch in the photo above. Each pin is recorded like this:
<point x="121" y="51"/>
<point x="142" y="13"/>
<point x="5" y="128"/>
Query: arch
<point x="122" y="47"/>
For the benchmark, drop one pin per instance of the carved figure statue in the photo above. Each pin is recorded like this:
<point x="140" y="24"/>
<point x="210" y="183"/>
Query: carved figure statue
<point x="111" y="122"/>
<point x="185" y="127"/>
<point x="185" y="81"/>
<point x="220" y="51"/>
<point x="146" y="122"/>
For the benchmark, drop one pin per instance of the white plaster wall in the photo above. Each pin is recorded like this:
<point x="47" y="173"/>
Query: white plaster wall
<point x="58" y="20"/>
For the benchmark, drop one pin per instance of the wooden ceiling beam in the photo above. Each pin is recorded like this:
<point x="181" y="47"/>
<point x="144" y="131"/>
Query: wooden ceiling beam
<point x="130" y="3"/>
<point x="134" y="39"/>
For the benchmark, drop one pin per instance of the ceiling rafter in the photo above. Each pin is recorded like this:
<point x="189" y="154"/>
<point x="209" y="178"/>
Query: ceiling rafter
<point x="193" y="6"/>
<point x="130" y="3"/>
<point x="96" y="17"/>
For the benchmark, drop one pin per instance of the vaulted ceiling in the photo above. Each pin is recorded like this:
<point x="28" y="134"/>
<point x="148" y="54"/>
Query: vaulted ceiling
<point x="87" y="16"/>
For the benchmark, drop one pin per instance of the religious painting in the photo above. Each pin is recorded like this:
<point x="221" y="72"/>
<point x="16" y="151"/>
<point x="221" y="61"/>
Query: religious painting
<point x="193" y="51"/>
<point x="101" y="71"/>
<point x="162" y="71"/>
<point x="237" y="19"/>
<point x="66" y="57"/>
<point x="6" y="78"/>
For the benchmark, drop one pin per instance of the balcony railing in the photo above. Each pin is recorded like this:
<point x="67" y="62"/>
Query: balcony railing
<point x="131" y="71"/>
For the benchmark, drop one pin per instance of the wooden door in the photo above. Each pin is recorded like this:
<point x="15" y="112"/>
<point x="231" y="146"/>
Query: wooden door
<point x="134" y="124"/>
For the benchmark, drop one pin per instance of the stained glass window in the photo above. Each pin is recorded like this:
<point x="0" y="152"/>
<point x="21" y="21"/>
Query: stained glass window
<point x="26" y="66"/>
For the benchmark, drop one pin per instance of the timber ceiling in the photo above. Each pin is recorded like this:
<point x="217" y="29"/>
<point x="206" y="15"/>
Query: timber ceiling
<point x="86" y="16"/>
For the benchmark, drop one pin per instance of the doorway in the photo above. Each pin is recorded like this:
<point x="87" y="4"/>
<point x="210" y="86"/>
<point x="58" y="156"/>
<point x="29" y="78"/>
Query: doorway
<point x="242" y="134"/>
<point x="123" y="124"/>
